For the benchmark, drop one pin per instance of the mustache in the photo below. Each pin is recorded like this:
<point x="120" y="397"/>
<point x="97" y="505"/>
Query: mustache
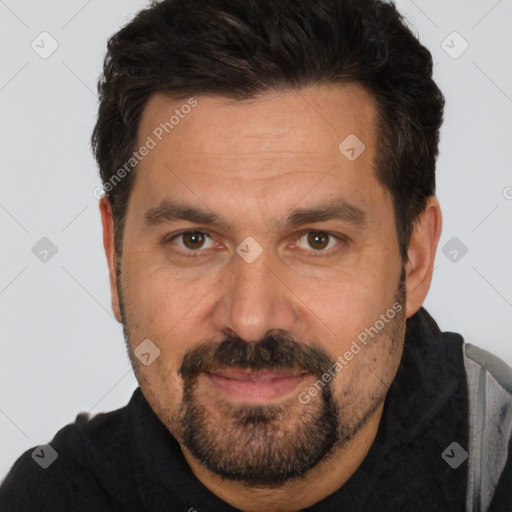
<point x="272" y="352"/>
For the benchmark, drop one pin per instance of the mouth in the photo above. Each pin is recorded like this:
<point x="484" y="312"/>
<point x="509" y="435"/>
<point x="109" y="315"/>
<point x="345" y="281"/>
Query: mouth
<point x="256" y="387"/>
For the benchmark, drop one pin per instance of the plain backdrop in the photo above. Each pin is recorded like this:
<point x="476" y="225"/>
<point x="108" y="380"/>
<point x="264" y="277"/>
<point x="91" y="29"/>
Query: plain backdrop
<point x="62" y="351"/>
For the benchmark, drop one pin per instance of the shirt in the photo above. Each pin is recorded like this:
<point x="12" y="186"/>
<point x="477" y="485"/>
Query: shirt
<point x="126" y="460"/>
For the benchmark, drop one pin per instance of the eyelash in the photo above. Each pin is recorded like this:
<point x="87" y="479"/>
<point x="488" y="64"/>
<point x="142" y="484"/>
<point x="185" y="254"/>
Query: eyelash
<point x="312" y="254"/>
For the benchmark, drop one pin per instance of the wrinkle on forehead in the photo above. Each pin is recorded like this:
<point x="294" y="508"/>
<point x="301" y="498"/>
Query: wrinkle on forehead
<point x="282" y="123"/>
<point x="276" y="151"/>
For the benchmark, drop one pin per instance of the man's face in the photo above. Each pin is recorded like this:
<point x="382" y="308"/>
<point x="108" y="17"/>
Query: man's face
<point x="251" y="303"/>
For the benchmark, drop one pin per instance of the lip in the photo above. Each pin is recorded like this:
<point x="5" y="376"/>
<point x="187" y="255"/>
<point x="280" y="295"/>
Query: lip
<point x="254" y="387"/>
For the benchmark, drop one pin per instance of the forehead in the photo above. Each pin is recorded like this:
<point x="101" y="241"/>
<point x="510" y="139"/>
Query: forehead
<point x="281" y="147"/>
<point x="223" y="126"/>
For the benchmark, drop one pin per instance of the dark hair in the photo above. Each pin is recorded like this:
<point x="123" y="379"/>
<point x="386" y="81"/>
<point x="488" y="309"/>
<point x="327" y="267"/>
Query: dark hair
<point x="241" y="48"/>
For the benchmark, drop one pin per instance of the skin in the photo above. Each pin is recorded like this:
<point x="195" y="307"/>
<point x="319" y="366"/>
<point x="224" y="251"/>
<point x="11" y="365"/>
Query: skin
<point x="253" y="162"/>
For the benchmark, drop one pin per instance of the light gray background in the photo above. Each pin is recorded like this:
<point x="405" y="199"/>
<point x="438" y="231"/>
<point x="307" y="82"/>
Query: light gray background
<point x="62" y="351"/>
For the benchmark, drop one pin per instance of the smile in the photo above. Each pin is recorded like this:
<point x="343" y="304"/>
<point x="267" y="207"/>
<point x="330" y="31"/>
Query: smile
<point x="254" y="387"/>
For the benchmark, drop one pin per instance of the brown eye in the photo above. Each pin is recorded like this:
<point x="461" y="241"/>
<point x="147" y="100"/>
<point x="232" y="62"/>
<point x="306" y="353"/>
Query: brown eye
<point x="192" y="241"/>
<point x="319" y="243"/>
<point x="318" y="240"/>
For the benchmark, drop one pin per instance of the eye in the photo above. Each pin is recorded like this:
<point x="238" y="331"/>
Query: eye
<point x="191" y="241"/>
<point x="319" y="241"/>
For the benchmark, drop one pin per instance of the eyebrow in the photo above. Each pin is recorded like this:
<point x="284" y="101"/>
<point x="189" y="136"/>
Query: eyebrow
<point x="339" y="209"/>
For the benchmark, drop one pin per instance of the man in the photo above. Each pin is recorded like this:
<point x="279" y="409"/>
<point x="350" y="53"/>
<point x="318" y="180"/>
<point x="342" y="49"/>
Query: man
<point x="270" y="227"/>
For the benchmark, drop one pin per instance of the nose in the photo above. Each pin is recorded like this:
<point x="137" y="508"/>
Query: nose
<point x="254" y="300"/>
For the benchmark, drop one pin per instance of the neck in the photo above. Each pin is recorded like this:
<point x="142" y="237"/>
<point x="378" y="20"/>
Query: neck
<point x="298" y="493"/>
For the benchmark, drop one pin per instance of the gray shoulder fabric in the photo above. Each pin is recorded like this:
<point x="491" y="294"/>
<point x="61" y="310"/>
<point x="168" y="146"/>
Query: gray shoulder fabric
<point x="490" y="424"/>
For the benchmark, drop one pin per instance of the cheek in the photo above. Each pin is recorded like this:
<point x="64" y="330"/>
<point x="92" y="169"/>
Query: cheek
<point x="158" y="308"/>
<point x="368" y="369"/>
<point x="342" y="308"/>
<point x="158" y="299"/>
<point x="164" y="308"/>
<point x="360" y="328"/>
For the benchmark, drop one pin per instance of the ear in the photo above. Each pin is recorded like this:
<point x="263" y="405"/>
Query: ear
<point x="107" y="221"/>
<point x="421" y="255"/>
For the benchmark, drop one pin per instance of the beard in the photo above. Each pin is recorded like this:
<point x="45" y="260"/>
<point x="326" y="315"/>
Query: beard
<point x="267" y="445"/>
<point x="261" y="445"/>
